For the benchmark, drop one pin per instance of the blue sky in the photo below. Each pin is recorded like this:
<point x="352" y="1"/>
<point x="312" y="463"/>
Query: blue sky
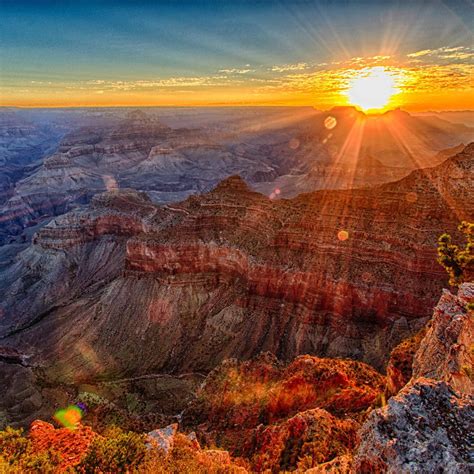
<point x="78" y="41"/>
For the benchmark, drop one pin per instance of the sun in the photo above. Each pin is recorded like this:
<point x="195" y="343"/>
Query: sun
<point x="372" y="89"/>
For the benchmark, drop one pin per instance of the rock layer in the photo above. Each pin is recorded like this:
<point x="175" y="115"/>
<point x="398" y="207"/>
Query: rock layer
<point x="280" y="155"/>
<point x="231" y="273"/>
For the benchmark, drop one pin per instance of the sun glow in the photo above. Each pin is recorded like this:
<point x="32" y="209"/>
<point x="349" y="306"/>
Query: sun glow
<point x="372" y="89"/>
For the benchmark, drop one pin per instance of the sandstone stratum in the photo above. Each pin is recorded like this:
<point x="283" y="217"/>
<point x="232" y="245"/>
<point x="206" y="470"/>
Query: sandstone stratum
<point x="51" y="169"/>
<point x="146" y="298"/>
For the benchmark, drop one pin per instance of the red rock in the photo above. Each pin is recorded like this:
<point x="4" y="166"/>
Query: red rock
<point x="445" y="353"/>
<point x="399" y="368"/>
<point x="231" y="273"/>
<point x="276" y="415"/>
<point x="71" y="444"/>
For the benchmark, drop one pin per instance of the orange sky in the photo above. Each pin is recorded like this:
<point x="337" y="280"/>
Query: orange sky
<point x="239" y="52"/>
<point x="438" y="84"/>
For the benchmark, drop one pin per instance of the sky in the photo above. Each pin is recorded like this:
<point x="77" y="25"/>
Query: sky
<point x="183" y="53"/>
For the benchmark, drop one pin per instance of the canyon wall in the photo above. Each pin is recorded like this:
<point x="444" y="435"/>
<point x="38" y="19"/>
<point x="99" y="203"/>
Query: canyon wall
<point x="125" y="286"/>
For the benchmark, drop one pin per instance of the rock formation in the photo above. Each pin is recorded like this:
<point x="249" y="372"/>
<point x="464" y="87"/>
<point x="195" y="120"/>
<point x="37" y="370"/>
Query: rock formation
<point x="400" y="365"/>
<point x="231" y="273"/>
<point x="304" y="416"/>
<point x="284" y="417"/>
<point x="70" y="445"/>
<point x="291" y="154"/>
<point x="446" y="352"/>
<point x="427" y="426"/>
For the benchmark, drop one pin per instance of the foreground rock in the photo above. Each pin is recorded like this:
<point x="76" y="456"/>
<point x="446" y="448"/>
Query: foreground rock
<point x="425" y="428"/>
<point x="400" y="365"/>
<point x="446" y="352"/>
<point x="70" y="444"/>
<point x="285" y="417"/>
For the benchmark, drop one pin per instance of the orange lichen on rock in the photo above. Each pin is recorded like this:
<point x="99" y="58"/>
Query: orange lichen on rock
<point x="304" y="441"/>
<point x="71" y="444"/>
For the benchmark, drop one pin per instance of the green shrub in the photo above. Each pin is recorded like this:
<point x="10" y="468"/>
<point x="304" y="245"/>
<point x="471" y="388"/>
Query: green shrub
<point x="458" y="261"/>
<point x="117" y="451"/>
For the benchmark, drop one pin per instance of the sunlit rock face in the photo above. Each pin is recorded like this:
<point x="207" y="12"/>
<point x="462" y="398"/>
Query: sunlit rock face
<point x="284" y="417"/>
<point x="445" y="352"/>
<point x="424" y="428"/>
<point x="125" y="286"/>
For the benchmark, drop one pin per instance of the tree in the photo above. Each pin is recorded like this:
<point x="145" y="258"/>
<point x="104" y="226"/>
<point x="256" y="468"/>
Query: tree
<point x="457" y="260"/>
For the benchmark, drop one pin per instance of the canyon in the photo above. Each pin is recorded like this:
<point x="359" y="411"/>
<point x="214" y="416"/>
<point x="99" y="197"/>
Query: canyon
<point x="172" y="155"/>
<point x="232" y="272"/>
<point x="312" y="415"/>
<point x="267" y="288"/>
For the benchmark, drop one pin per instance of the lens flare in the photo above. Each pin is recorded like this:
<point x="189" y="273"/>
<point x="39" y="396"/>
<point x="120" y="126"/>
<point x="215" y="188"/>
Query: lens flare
<point x="69" y="417"/>
<point x="343" y="235"/>
<point x="294" y="143"/>
<point x="330" y="122"/>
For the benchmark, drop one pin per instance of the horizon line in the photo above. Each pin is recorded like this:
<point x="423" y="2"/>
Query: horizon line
<point x="224" y="105"/>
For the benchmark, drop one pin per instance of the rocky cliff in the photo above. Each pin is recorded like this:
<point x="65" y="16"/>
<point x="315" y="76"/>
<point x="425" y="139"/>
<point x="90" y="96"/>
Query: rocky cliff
<point x="427" y="426"/>
<point x="231" y="273"/>
<point x="312" y="415"/>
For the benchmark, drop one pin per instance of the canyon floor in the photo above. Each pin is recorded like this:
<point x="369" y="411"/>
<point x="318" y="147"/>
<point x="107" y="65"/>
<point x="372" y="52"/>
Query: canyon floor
<point x="251" y="294"/>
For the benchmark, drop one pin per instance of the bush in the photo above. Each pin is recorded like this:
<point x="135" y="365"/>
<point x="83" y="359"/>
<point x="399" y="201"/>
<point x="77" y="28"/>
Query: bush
<point x="17" y="455"/>
<point x="458" y="261"/>
<point x="116" y="451"/>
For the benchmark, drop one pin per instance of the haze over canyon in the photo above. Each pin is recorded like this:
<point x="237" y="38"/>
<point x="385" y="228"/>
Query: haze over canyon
<point x="264" y="277"/>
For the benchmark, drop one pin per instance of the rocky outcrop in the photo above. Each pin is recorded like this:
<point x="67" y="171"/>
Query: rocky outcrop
<point x="442" y="350"/>
<point x="70" y="444"/>
<point x="400" y="365"/>
<point x="309" y="438"/>
<point x="80" y="449"/>
<point x="425" y="428"/>
<point x="446" y="351"/>
<point x="163" y="438"/>
<point x="284" y="417"/>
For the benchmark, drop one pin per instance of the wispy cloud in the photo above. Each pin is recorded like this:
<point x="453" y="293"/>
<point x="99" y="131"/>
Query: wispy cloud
<point x="418" y="54"/>
<point x="433" y="72"/>
<point x="290" y="67"/>
<point x="445" y="53"/>
<point x="236" y="71"/>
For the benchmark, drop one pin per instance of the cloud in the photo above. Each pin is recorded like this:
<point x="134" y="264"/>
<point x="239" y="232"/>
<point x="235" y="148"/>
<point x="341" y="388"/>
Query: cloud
<point x="236" y="71"/>
<point x="430" y="72"/>
<point x="290" y="67"/>
<point x="459" y="53"/>
<point x="423" y="52"/>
